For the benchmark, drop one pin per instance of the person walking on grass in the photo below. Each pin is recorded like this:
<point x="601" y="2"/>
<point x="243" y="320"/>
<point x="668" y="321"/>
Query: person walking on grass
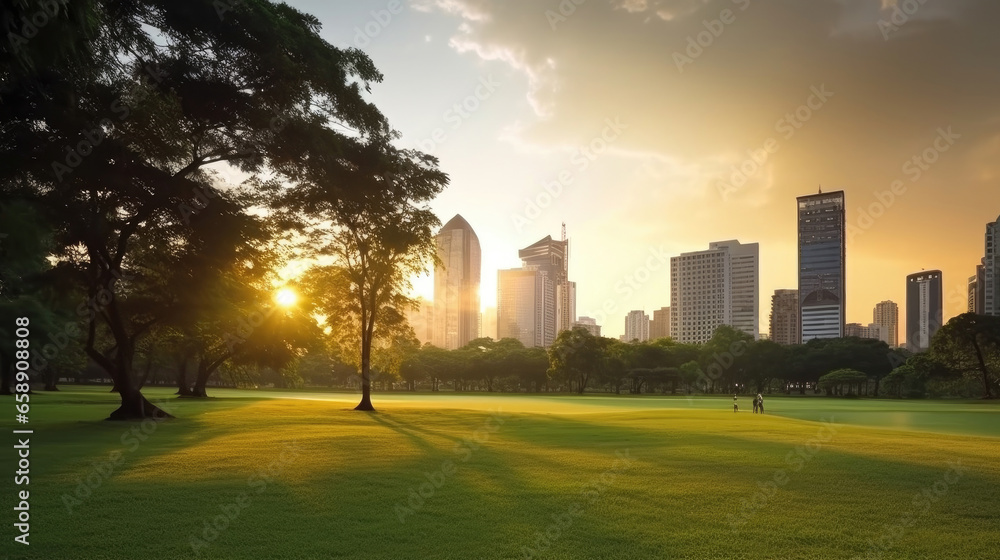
<point x="760" y="403"/>
<point x="755" y="406"/>
<point x="736" y="407"/>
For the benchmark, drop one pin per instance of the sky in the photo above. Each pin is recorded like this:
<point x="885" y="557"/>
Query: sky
<point x="654" y="127"/>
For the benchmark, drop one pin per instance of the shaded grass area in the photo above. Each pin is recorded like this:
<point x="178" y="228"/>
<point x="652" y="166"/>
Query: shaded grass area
<point x="320" y="481"/>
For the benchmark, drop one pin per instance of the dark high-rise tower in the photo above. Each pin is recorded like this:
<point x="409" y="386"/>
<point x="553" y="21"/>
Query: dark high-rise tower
<point x="822" y="260"/>
<point x="991" y="270"/>
<point x="456" y="285"/>
<point x="924" y="311"/>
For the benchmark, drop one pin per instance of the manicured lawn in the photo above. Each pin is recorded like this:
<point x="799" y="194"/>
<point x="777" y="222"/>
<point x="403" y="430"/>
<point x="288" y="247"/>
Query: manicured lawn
<point x="605" y="477"/>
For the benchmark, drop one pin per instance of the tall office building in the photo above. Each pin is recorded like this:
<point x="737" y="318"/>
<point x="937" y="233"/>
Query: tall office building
<point x="537" y="301"/>
<point x="872" y="331"/>
<point x="565" y="305"/>
<point x="659" y="327"/>
<point x="822" y="259"/>
<point x="551" y="257"/>
<point x="785" y="317"/>
<point x="526" y="307"/>
<point x="977" y="290"/>
<point x="590" y="324"/>
<point x="456" y="285"/>
<point x="924" y="311"/>
<point x="636" y="326"/>
<point x="714" y="287"/>
<point x="991" y="271"/>
<point x="886" y="316"/>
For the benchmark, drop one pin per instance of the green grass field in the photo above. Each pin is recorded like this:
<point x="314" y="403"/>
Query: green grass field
<point x="299" y="475"/>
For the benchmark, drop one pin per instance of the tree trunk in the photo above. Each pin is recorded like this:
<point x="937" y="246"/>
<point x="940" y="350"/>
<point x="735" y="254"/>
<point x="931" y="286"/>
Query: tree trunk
<point x="987" y="394"/>
<point x="182" y="383"/>
<point x="366" y="375"/>
<point x="134" y="406"/>
<point x="201" y="381"/>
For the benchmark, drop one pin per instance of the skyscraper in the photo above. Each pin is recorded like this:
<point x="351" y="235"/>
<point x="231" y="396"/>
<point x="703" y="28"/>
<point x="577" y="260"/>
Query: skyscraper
<point x="886" y="316"/>
<point x="977" y="290"/>
<point x="924" y="312"/>
<point x="565" y="305"/>
<point x="822" y="256"/>
<point x="659" y="327"/>
<point x="785" y="317"/>
<point x="456" y="285"/>
<point x="537" y="301"/>
<point x="714" y="287"/>
<point x="636" y="326"/>
<point x="991" y="271"/>
<point x="525" y="307"/>
<point x="551" y="258"/>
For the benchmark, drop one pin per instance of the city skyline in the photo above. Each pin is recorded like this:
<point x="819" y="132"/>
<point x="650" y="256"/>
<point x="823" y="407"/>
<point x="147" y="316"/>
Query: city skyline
<point x="505" y="59"/>
<point x="959" y="298"/>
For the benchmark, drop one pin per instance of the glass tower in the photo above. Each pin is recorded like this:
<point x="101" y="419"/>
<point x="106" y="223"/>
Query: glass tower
<point x="456" y="285"/>
<point x="822" y="256"/>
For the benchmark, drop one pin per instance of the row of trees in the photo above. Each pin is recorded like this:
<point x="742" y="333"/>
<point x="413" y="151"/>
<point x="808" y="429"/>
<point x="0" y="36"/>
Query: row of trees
<point x="731" y="362"/>
<point x="964" y="361"/>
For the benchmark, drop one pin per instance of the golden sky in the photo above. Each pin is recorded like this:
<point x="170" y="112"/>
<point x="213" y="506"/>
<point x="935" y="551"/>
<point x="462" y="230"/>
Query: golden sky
<point x="635" y="114"/>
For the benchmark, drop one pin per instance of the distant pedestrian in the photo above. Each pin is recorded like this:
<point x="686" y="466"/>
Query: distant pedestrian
<point x="755" y="406"/>
<point x="760" y="403"/>
<point x="736" y="407"/>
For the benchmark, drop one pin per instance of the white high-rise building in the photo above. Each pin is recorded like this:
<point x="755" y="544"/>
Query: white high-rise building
<point x="636" y="326"/>
<point x="924" y="308"/>
<point x="715" y="287"/>
<point x="991" y="271"/>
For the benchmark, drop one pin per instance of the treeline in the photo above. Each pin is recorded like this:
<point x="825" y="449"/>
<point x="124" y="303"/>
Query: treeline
<point x="963" y="362"/>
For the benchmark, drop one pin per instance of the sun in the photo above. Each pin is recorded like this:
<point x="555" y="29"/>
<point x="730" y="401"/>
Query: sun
<point x="286" y="297"/>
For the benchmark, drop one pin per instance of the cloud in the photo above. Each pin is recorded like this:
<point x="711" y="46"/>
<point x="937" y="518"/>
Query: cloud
<point x="690" y="125"/>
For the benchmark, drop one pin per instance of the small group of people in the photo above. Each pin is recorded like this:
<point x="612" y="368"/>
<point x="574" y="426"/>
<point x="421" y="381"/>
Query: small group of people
<point x="758" y="404"/>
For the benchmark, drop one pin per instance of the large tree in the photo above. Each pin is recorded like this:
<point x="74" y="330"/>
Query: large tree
<point x="375" y="253"/>
<point x="970" y="345"/>
<point x="117" y="114"/>
<point x="576" y="357"/>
